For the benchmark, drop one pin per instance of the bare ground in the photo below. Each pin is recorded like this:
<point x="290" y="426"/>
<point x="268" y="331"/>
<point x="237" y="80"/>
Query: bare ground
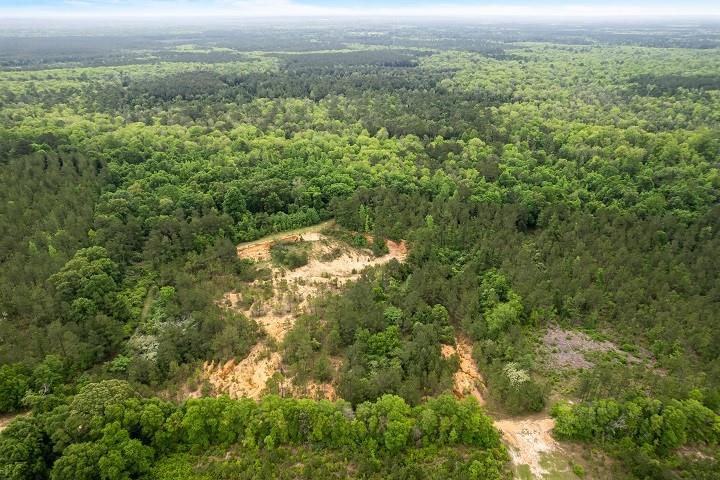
<point x="259" y="250"/>
<point x="248" y="378"/>
<point x="331" y="265"/>
<point x="467" y="380"/>
<point x="529" y="440"/>
<point x="567" y="348"/>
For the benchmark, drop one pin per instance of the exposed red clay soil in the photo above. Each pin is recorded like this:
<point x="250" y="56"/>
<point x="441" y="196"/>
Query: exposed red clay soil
<point x="330" y="266"/>
<point x="260" y="251"/>
<point x="467" y="380"/>
<point x="248" y="378"/>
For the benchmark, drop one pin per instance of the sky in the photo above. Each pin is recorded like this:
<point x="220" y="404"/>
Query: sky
<point x="670" y="9"/>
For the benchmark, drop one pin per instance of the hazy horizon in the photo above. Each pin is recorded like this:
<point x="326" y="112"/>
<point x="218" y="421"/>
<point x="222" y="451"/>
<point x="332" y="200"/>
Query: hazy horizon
<point x="276" y="9"/>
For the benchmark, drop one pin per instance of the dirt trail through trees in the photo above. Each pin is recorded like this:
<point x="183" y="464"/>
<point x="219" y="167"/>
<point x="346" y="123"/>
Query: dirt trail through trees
<point x="528" y="438"/>
<point x="331" y="264"/>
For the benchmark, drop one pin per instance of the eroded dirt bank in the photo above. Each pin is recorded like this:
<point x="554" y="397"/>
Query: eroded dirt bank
<point x="467" y="380"/>
<point x="331" y="264"/>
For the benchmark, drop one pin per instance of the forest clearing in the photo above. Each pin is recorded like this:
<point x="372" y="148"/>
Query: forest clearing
<point x="330" y="265"/>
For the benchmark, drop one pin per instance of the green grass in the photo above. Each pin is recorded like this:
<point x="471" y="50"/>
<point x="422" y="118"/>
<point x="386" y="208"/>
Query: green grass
<point x="523" y="472"/>
<point x="558" y="468"/>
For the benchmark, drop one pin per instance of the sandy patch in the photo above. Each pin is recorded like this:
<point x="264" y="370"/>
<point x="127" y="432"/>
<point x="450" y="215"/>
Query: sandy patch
<point x="259" y="250"/>
<point x="528" y="440"/>
<point x="330" y="266"/>
<point x="255" y="252"/>
<point x="293" y="290"/>
<point x="467" y="379"/>
<point x="247" y="378"/>
<point x="346" y="267"/>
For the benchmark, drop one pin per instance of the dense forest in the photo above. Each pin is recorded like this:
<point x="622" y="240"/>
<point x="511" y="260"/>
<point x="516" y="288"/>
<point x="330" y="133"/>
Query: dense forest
<point x="557" y="191"/>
